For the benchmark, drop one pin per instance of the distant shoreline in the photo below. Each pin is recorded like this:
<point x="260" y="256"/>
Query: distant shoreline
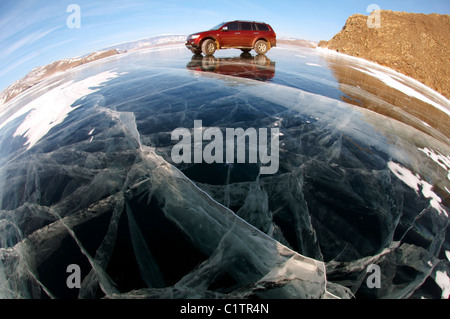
<point x="40" y="73"/>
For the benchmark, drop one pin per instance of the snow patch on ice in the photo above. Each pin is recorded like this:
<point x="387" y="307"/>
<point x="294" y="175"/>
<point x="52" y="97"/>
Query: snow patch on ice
<point x="441" y="160"/>
<point x="447" y="254"/>
<point x="313" y="64"/>
<point x="443" y="282"/>
<point x="90" y="134"/>
<point x="415" y="182"/>
<point x="51" y="108"/>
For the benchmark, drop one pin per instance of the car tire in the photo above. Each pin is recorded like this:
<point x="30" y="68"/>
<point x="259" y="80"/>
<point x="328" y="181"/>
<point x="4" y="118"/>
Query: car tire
<point x="209" y="47"/>
<point x="246" y="50"/>
<point x="261" y="47"/>
<point x="196" y="51"/>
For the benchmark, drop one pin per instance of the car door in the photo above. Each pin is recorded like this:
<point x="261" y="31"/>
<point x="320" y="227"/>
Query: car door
<point x="229" y="34"/>
<point x="246" y="34"/>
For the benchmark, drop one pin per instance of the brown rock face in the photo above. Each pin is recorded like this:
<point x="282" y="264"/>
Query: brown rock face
<point x="416" y="45"/>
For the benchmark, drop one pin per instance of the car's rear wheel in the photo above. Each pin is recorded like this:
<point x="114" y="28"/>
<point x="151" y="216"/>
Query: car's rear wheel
<point x="209" y="47"/>
<point x="261" y="47"/>
<point x="246" y="50"/>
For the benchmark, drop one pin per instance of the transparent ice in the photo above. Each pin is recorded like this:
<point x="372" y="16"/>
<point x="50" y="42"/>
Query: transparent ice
<point x="355" y="186"/>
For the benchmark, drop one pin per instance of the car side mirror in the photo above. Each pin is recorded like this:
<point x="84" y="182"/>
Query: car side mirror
<point x="225" y="28"/>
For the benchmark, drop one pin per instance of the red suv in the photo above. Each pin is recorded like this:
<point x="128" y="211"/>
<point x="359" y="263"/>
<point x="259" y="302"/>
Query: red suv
<point x="244" y="35"/>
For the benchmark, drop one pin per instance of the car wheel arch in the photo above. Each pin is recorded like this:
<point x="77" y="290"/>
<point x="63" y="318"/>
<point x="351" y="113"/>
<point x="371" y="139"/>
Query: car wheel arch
<point x="211" y="38"/>
<point x="264" y="39"/>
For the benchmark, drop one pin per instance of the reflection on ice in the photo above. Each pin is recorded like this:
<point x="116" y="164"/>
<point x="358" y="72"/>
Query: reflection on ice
<point x="98" y="187"/>
<point x="258" y="67"/>
<point x="390" y="93"/>
<point x="395" y="82"/>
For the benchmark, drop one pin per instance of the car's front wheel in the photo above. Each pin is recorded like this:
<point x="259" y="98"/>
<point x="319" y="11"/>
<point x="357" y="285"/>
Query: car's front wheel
<point x="196" y="51"/>
<point x="209" y="47"/>
<point x="261" y="47"/>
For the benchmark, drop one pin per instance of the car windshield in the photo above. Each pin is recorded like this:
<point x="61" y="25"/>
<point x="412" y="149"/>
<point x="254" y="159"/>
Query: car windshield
<point x="218" y="26"/>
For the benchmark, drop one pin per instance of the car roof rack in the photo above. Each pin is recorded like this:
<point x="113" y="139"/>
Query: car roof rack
<point x="247" y="21"/>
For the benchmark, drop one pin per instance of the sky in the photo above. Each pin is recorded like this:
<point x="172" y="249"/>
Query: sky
<point x="35" y="33"/>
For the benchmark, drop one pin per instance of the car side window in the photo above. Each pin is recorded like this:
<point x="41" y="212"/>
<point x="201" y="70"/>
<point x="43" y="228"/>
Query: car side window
<point x="262" y="27"/>
<point x="233" y="26"/>
<point x="246" y="26"/>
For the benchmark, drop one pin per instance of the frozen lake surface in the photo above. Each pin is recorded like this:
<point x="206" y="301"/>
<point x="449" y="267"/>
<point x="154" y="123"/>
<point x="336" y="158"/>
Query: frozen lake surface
<point x="87" y="178"/>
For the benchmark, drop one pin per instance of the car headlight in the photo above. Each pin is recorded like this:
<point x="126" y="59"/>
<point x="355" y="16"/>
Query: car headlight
<point x="195" y="36"/>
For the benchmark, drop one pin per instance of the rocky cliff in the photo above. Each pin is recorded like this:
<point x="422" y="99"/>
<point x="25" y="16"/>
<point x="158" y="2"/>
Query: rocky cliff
<point x="416" y="45"/>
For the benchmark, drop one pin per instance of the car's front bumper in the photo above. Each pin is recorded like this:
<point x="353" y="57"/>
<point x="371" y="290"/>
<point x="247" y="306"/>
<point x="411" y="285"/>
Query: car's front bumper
<point x="190" y="44"/>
